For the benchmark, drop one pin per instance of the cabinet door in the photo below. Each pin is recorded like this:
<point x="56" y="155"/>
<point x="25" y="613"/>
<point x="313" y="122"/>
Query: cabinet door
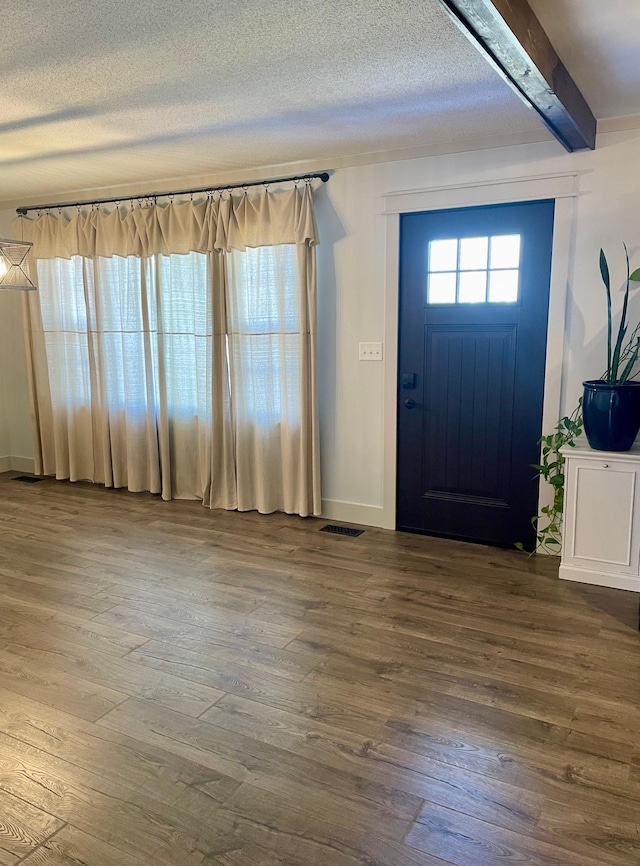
<point x="601" y="500"/>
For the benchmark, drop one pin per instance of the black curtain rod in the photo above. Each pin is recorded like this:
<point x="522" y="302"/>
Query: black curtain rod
<point x="322" y="175"/>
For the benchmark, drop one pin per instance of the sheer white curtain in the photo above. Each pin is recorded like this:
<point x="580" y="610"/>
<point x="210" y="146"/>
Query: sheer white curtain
<point x="271" y="354"/>
<point x="182" y="362"/>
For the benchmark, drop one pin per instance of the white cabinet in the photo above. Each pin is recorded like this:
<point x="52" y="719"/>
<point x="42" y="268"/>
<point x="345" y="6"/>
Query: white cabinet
<point x="601" y="526"/>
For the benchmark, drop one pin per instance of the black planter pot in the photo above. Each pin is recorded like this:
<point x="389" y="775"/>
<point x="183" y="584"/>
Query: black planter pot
<point x="611" y="414"/>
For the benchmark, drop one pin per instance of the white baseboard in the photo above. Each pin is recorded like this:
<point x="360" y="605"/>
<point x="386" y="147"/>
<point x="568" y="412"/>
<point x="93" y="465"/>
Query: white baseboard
<point x="5" y="463"/>
<point x="354" y="512"/>
<point x="600" y="578"/>
<point x="23" y="464"/>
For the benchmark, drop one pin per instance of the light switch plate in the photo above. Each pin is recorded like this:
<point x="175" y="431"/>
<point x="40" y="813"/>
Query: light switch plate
<point x="370" y="352"/>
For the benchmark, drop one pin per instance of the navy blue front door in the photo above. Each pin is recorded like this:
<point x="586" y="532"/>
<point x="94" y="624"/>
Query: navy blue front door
<point x="474" y="299"/>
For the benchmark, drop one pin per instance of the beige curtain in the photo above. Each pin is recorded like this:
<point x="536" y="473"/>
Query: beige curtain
<point x="172" y="350"/>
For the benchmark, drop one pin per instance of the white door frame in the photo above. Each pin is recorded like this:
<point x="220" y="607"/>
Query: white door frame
<point x="564" y="188"/>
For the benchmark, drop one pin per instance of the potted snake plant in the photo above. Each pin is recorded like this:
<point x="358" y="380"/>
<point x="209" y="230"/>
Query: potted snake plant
<point x="611" y="405"/>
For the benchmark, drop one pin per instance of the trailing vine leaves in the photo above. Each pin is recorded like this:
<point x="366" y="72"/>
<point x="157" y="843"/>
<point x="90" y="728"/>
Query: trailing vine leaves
<point x="548" y="525"/>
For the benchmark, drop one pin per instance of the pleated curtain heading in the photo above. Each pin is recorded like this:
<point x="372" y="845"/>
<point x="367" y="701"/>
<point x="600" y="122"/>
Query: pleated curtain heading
<point x="215" y="224"/>
<point x="171" y="349"/>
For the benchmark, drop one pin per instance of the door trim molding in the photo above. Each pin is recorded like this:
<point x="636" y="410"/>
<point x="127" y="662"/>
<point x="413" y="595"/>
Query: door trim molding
<point x="564" y="188"/>
<point x="502" y="191"/>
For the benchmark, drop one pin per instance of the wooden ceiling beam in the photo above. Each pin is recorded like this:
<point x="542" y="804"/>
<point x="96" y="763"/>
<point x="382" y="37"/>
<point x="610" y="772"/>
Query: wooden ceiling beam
<point x="510" y="36"/>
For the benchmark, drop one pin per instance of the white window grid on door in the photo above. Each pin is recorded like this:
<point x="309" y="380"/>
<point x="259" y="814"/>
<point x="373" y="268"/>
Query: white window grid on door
<point x="474" y="270"/>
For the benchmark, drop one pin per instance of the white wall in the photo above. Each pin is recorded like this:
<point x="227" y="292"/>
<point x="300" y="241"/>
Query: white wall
<point x="356" y="300"/>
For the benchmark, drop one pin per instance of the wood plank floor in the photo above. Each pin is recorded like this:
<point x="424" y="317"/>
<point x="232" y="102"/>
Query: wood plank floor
<point x="181" y="687"/>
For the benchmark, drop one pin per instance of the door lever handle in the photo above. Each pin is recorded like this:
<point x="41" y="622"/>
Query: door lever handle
<point x="410" y="404"/>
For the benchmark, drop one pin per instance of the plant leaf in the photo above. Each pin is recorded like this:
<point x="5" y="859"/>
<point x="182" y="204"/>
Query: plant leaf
<point x="615" y="361"/>
<point x="630" y="363"/>
<point x="622" y="330"/>
<point x="604" y="271"/>
<point x="635" y="276"/>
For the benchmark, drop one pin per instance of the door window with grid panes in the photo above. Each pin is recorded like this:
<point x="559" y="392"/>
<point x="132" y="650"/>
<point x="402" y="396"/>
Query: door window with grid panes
<point x="474" y="270"/>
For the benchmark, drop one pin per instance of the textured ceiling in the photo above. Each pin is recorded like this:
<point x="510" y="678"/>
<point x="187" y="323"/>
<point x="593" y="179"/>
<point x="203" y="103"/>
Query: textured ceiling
<point x="599" y="43"/>
<point x="116" y="92"/>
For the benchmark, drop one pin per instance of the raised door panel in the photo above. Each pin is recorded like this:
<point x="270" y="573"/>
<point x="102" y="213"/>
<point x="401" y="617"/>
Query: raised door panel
<point x="468" y="413"/>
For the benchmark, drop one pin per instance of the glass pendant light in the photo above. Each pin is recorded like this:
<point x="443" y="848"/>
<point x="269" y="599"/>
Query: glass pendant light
<point x="13" y="257"/>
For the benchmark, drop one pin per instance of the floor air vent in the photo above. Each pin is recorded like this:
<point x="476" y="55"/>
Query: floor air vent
<point x="28" y="479"/>
<point x="342" y="530"/>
